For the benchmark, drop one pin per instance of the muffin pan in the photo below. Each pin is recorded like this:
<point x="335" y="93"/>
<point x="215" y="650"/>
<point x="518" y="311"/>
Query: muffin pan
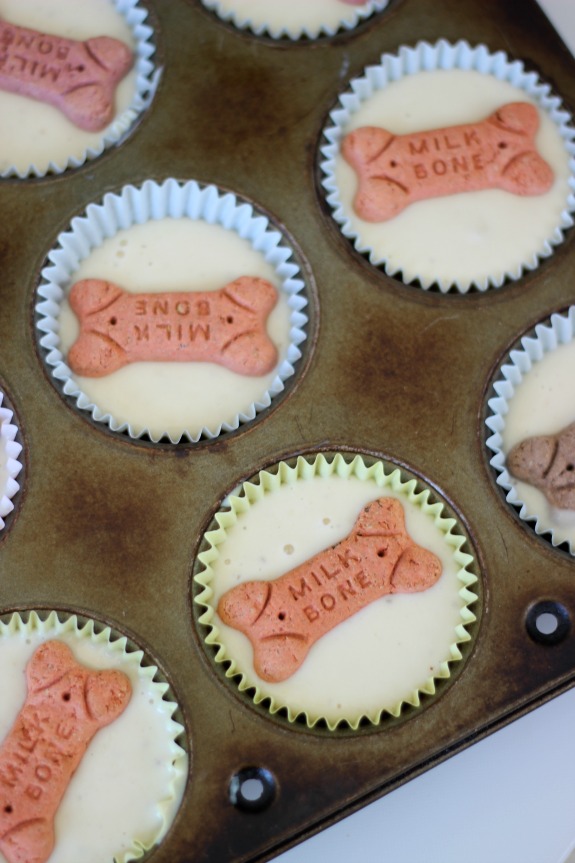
<point x="109" y="527"/>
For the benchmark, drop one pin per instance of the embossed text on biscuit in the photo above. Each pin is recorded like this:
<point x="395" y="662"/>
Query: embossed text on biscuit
<point x="394" y="171"/>
<point x="66" y="705"/>
<point x="227" y="327"/>
<point x="78" y="78"/>
<point x="284" y="617"/>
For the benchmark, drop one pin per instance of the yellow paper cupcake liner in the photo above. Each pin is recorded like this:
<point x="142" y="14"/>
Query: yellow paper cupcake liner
<point x="117" y="774"/>
<point x="258" y="493"/>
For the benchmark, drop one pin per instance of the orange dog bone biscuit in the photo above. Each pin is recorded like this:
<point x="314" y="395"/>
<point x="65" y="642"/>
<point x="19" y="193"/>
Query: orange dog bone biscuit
<point x="284" y="617"/>
<point x="548" y="463"/>
<point x="225" y="327"/>
<point x="65" y="706"/>
<point x="78" y="78"/>
<point x="396" y="170"/>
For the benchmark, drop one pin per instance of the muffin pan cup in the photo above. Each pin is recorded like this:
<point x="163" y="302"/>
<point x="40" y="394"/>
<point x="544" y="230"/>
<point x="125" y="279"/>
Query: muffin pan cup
<point x="351" y="654"/>
<point x="175" y="205"/>
<point x="110" y="527"/>
<point x="421" y="262"/>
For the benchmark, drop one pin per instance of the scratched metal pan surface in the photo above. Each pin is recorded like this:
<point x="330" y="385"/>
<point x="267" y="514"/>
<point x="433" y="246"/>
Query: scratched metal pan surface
<point x="110" y="527"/>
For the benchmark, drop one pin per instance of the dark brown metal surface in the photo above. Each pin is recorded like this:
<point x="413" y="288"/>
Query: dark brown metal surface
<point x="110" y="528"/>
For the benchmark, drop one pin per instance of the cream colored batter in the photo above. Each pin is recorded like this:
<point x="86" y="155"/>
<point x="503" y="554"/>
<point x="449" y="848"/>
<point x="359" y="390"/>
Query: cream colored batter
<point x="377" y="657"/>
<point x="130" y="782"/>
<point x="468" y="238"/>
<point x="176" y="255"/>
<point x="32" y="133"/>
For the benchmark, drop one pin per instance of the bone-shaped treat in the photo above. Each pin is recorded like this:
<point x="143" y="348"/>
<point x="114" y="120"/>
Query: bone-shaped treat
<point x="284" y="617"/>
<point x="548" y="463"/>
<point x="65" y="706"/>
<point x="227" y="327"/>
<point x="394" y="171"/>
<point x="78" y="78"/>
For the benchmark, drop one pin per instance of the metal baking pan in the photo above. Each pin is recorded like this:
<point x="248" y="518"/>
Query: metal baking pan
<point x="110" y="527"/>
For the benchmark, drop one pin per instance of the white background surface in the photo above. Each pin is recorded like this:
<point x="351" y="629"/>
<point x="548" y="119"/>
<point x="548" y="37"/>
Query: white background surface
<point x="507" y="799"/>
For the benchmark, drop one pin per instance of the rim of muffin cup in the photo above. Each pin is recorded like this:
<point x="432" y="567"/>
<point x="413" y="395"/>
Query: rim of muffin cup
<point x="146" y="83"/>
<point x="442" y="55"/>
<point x="546" y="337"/>
<point x="150" y="701"/>
<point x="302" y="469"/>
<point x="153" y="201"/>
<point x="349" y="19"/>
<point x="10" y="461"/>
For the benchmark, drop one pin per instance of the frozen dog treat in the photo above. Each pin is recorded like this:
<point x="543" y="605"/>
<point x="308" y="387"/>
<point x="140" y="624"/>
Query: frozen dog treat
<point x="78" y="78"/>
<point x="285" y="617"/>
<point x="176" y="255"/>
<point x="548" y="463"/>
<point x="396" y="170"/>
<point x="321" y="538"/>
<point x="66" y="705"/>
<point x="225" y="327"/>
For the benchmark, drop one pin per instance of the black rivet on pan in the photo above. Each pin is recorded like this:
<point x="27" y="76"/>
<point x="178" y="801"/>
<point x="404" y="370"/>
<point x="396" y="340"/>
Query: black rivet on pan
<point x="548" y="622"/>
<point x="252" y="789"/>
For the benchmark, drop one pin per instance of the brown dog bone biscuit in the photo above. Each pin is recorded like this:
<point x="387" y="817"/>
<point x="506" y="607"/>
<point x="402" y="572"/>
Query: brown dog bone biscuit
<point x="78" y="78"/>
<point x="225" y="327"/>
<point x="284" y="617"/>
<point x="396" y="170"/>
<point x="548" y="463"/>
<point x="65" y="706"/>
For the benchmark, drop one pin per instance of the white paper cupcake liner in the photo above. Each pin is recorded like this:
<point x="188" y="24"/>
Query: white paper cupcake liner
<point x="123" y="797"/>
<point x="10" y="462"/>
<point x="148" y="203"/>
<point x="347" y="18"/>
<point x="556" y="526"/>
<point x="353" y="664"/>
<point x="410" y="61"/>
<point x="147" y="80"/>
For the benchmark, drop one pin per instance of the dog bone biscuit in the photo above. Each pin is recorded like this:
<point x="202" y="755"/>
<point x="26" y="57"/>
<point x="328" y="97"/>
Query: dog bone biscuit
<point x="548" y="463"/>
<point x="78" y="78"/>
<point x="284" y="617"/>
<point x="225" y="327"/>
<point x="65" y="706"/>
<point x="396" y="170"/>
